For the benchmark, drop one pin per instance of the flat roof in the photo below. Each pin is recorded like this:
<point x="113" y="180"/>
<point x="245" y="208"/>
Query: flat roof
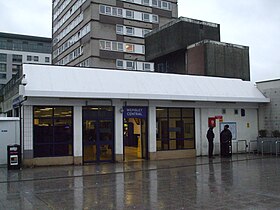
<point x="207" y="41"/>
<point x="182" y="19"/>
<point x="77" y="82"/>
<point x="266" y="81"/>
<point x="25" y="37"/>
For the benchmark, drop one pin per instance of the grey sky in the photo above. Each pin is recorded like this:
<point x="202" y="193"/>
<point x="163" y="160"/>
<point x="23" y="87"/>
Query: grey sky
<point x="254" y="23"/>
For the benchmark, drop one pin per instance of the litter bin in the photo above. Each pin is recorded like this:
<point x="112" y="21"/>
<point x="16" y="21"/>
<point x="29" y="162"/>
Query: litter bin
<point x="13" y="157"/>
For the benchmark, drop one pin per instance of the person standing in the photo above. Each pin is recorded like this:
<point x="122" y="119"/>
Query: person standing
<point x="225" y="141"/>
<point x="210" y="137"/>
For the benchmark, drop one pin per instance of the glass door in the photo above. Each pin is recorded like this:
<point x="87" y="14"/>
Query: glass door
<point x="98" y="134"/>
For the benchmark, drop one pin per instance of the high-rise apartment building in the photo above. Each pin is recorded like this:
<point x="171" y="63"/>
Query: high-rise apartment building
<point x="16" y="49"/>
<point x="108" y="33"/>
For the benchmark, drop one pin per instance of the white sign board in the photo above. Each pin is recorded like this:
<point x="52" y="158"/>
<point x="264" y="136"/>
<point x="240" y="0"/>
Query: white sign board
<point x="232" y="128"/>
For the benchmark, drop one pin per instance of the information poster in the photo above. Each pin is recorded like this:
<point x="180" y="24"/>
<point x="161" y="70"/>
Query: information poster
<point x="232" y="128"/>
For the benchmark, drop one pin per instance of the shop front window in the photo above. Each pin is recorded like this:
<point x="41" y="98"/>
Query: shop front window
<point x="175" y="129"/>
<point x="53" y="131"/>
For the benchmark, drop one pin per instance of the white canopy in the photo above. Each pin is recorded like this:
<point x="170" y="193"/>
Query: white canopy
<point x="77" y="82"/>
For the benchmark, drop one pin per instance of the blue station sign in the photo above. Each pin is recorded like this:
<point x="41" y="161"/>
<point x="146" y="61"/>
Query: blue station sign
<point x="135" y="112"/>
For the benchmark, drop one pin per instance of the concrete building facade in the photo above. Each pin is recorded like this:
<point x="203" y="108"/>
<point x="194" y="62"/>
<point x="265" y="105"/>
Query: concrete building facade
<point x="196" y="50"/>
<point x="16" y="49"/>
<point x="270" y="113"/>
<point x="107" y="34"/>
<point x="219" y="59"/>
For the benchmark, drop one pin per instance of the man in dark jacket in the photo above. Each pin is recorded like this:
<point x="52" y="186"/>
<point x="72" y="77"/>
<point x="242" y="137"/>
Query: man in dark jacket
<point x="225" y="141"/>
<point x="210" y="137"/>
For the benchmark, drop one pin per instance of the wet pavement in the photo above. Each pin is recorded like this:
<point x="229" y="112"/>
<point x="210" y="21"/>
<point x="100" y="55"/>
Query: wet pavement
<point x="241" y="182"/>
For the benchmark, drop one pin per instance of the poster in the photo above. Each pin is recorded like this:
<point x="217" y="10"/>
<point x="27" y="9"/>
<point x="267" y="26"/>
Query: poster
<point x="232" y="128"/>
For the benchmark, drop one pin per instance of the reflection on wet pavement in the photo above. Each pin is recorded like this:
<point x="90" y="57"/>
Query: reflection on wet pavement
<point x="243" y="182"/>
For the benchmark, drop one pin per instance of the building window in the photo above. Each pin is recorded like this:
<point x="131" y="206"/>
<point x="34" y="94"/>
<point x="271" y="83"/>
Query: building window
<point x="125" y="13"/>
<point x="120" y="64"/>
<point x="155" y="3"/>
<point x="146" y="2"/>
<point x="129" y="31"/>
<point x="36" y="58"/>
<point x="15" y="68"/>
<point x="3" y="67"/>
<point x="102" y="9"/>
<point x="53" y="131"/>
<point x="17" y="58"/>
<point x="47" y="59"/>
<point x="3" y="76"/>
<point x="120" y="47"/>
<point x="236" y="111"/>
<point x="3" y="57"/>
<point x="147" y="66"/>
<point x="224" y="111"/>
<point x="175" y="129"/>
<point x="129" y="65"/>
<point x="155" y="18"/>
<point x="145" y="31"/>
<point x="129" y="47"/>
<point x="29" y="58"/>
<point x="146" y="17"/>
<point x="129" y="14"/>
<point x="119" y="29"/>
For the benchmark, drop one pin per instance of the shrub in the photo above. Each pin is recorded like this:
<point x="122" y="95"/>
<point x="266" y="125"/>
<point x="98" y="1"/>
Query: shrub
<point x="262" y="133"/>
<point x="275" y="133"/>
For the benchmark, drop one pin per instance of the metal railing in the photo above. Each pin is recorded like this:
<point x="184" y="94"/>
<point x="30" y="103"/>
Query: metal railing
<point x="264" y="142"/>
<point x="276" y="147"/>
<point x="250" y="143"/>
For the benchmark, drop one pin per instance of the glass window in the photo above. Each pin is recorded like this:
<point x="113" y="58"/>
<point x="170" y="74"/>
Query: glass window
<point x="147" y="66"/>
<point x="155" y="19"/>
<point x="102" y="45"/>
<point x="3" y="67"/>
<point x="146" y="2"/>
<point x="108" y="10"/>
<point x="145" y="31"/>
<point x="120" y="12"/>
<point x="114" y="11"/>
<point x="129" y="64"/>
<point x="146" y="17"/>
<point x="107" y="45"/>
<point x="120" y="46"/>
<point x="29" y="58"/>
<point x="3" y="76"/>
<point x="154" y="3"/>
<point x="3" y="57"/>
<point x="15" y="68"/>
<point x="53" y="131"/>
<point x="114" y="46"/>
<point x="120" y="64"/>
<point x="119" y="29"/>
<point x="36" y="58"/>
<point x="17" y="58"/>
<point x="102" y="9"/>
<point x="175" y="129"/>
<point x="129" y="14"/>
<point x="129" y="47"/>
<point x="47" y="59"/>
<point x="129" y="30"/>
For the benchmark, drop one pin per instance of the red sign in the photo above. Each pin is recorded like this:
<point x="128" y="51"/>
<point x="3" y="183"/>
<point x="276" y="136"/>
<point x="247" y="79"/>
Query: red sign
<point x="220" y="118"/>
<point x="212" y="122"/>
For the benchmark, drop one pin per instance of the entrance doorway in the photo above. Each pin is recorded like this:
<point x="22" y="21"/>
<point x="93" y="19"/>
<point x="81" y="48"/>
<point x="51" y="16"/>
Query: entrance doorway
<point x="98" y="134"/>
<point x="135" y="133"/>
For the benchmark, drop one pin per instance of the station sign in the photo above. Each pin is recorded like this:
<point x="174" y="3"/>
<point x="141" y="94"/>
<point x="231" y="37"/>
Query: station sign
<point x="135" y="112"/>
